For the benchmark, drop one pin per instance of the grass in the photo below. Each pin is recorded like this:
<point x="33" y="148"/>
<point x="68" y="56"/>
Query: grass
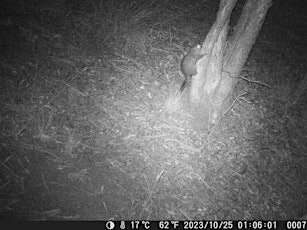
<point x="85" y="133"/>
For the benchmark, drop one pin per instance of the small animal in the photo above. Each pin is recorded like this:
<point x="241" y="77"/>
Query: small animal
<point x="188" y="64"/>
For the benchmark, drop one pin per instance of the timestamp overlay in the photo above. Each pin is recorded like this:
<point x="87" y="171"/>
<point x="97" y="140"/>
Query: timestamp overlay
<point x="227" y="224"/>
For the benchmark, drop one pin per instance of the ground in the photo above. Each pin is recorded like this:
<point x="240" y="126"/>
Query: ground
<point x="92" y="127"/>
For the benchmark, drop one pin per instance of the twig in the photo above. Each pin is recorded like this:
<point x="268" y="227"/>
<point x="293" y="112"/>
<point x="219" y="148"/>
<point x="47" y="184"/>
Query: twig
<point x="247" y="79"/>
<point x="44" y="182"/>
<point x="224" y="114"/>
<point x="150" y="191"/>
<point x="183" y="144"/>
<point x="257" y="82"/>
<point x="138" y="64"/>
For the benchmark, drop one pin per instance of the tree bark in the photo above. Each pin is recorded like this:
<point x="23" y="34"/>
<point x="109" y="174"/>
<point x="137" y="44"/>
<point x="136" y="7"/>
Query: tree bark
<point x="219" y="69"/>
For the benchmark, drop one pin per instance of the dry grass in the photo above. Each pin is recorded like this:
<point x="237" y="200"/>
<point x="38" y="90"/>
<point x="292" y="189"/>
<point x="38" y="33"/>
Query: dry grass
<point x="89" y="129"/>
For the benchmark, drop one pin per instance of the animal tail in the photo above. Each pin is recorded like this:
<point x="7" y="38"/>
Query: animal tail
<point x="183" y="85"/>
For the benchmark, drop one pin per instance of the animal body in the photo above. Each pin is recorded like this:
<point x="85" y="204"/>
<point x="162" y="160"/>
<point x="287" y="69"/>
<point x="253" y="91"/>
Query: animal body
<point x="188" y="64"/>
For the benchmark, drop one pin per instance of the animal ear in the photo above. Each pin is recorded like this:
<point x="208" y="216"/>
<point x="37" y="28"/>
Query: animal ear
<point x="187" y="49"/>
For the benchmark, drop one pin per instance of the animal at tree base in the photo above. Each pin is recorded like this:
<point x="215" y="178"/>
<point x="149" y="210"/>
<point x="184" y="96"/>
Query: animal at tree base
<point x="188" y="64"/>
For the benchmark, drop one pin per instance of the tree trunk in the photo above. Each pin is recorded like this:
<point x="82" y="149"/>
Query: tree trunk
<point x="219" y="69"/>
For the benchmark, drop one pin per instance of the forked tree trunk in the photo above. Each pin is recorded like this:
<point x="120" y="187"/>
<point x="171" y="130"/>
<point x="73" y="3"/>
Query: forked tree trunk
<point x="224" y="58"/>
